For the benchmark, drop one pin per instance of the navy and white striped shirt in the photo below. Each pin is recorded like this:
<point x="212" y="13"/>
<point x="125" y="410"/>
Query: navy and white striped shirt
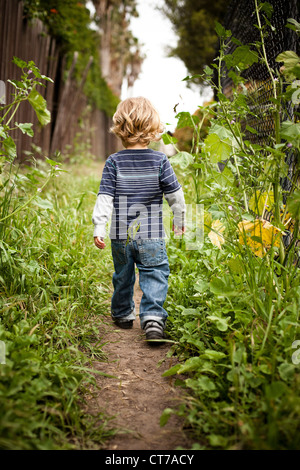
<point x="137" y="179"/>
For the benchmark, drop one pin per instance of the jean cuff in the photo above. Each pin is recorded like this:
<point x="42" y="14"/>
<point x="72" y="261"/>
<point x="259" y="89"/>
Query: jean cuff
<point x="156" y="318"/>
<point x="130" y="316"/>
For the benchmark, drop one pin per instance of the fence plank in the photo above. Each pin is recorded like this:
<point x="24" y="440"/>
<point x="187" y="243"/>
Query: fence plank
<point x="66" y="101"/>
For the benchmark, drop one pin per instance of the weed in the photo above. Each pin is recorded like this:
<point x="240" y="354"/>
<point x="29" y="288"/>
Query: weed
<point x="234" y="304"/>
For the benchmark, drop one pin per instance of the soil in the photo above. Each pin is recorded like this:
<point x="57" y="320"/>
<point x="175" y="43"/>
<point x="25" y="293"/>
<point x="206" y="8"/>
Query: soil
<point x="136" y="398"/>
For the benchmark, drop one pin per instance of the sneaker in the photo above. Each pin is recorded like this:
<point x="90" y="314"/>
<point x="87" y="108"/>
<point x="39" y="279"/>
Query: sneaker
<point x="154" y="330"/>
<point x="125" y="324"/>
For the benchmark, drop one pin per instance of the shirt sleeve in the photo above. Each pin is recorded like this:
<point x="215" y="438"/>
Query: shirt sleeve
<point x="101" y="214"/>
<point x="167" y="177"/>
<point x="177" y="204"/>
<point x="108" y="180"/>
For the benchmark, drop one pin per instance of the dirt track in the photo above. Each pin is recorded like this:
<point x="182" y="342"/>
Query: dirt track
<point x="137" y="398"/>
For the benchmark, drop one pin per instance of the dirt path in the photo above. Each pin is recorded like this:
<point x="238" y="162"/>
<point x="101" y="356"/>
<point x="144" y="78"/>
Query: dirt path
<point x="137" y="398"/>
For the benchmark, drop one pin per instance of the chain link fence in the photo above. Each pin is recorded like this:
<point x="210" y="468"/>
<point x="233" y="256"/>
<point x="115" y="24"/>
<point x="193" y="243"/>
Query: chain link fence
<point x="240" y="19"/>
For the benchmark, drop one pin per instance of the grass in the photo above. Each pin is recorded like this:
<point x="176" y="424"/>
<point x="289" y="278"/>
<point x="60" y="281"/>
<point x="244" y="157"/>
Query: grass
<point x="54" y="288"/>
<point x="232" y="329"/>
<point x="240" y="381"/>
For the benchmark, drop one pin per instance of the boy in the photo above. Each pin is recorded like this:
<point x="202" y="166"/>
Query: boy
<point x="133" y="183"/>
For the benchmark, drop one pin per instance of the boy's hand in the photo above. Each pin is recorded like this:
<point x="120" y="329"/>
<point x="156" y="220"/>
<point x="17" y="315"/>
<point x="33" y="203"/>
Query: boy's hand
<point x="99" y="243"/>
<point x="178" y="231"/>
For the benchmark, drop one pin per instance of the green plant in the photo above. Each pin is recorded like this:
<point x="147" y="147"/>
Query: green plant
<point x="49" y="296"/>
<point x="51" y="303"/>
<point x="234" y="304"/>
<point x="11" y="181"/>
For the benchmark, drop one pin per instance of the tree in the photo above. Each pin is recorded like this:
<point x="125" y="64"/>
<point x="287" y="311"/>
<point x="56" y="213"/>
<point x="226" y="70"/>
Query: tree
<point x="119" y="51"/>
<point x="194" y="23"/>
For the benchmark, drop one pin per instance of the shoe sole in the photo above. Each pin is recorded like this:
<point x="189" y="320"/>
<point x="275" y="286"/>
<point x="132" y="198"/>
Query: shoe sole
<point x="124" y="325"/>
<point x="154" y="336"/>
<point x="155" y="341"/>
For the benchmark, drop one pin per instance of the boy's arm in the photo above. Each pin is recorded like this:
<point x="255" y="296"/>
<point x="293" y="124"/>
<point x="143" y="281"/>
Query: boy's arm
<point x="104" y="203"/>
<point x="101" y="215"/>
<point x="177" y="204"/>
<point x="173" y="194"/>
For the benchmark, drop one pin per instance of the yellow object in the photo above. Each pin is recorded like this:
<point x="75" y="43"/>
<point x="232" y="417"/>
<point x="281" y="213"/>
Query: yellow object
<point x="259" y="235"/>
<point x="215" y="235"/>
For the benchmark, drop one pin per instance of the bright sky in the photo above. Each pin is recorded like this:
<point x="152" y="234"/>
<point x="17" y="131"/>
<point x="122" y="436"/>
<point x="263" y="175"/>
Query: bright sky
<point x="161" y="77"/>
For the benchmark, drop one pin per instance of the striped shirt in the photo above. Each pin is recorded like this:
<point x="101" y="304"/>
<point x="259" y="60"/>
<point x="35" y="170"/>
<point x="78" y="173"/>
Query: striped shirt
<point x="137" y="180"/>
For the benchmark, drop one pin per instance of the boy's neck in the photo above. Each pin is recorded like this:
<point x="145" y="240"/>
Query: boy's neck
<point x="136" y="147"/>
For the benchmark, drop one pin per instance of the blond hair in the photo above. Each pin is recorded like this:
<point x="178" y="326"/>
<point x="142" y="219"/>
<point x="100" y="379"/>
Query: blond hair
<point x="136" y="121"/>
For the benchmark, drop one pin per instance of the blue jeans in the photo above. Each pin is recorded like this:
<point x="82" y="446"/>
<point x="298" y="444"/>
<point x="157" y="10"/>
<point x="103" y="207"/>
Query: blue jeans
<point x="150" y="257"/>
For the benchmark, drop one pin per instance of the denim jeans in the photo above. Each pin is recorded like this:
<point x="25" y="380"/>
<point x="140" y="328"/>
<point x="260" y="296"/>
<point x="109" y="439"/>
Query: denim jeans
<point x="150" y="257"/>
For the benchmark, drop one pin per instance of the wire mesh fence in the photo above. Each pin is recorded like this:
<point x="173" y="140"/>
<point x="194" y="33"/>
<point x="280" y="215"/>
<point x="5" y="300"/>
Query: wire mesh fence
<point x="240" y="20"/>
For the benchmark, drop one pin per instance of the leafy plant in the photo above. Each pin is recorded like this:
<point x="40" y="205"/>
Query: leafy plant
<point x="25" y="90"/>
<point x="233" y="304"/>
<point x="48" y="295"/>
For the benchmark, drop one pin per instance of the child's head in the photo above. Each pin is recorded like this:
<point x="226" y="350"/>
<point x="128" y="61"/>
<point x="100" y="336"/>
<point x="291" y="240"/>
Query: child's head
<point x="136" y="121"/>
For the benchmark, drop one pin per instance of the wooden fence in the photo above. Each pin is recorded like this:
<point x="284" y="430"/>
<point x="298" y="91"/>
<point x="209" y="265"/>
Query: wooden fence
<point x="29" y="40"/>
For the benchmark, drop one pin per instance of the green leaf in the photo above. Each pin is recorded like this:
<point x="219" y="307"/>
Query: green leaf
<point x="290" y="58"/>
<point x="217" y="440"/>
<point x="221" y="131"/>
<point x="293" y="204"/>
<point x="32" y="266"/>
<point x="296" y="94"/>
<point x="203" y="383"/>
<point x="236" y="265"/>
<point x="248" y="216"/>
<point x="251" y="129"/>
<point x="275" y="390"/>
<point x="39" y="104"/>
<point x="294" y="25"/>
<point x="168" y="139"/>
<point x="26" y="128"/>
<point x="3" y="134"/>
<point x="221" y="323"/>
<point x="52" y="162"/>
<point x="213" y="355"/>
<point x="182" y="159"/>
<point x="216" y="212"/>
<point x="286" y="371"/>
<point x="224" y="178"/>
<point x="208" y="70"/>
<point x="243" y="57"/>
<point x="218" y="149"/>
<point x="19" y="62"/>
<point x="9" y="148"/>
<point x="267" y="8"/>
<point x="190" y="311"/>
<point x="222" y="286"/>
<point x="173" y="370"/>
<point x="191" y="77"/>
<point x="265" y="369"/>
<point x="165" y="416"/>
<point x="185" y="119"/>
<point x="43" y="203"/>
<point x="191" y="364"/>
<point x="290" y="131"/>
<point x="201" y="286"/>
<point x="220" y="30"/>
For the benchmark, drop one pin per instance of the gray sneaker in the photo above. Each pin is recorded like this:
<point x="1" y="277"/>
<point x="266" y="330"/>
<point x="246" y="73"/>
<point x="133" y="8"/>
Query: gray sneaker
<point x="154" y="330"/>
